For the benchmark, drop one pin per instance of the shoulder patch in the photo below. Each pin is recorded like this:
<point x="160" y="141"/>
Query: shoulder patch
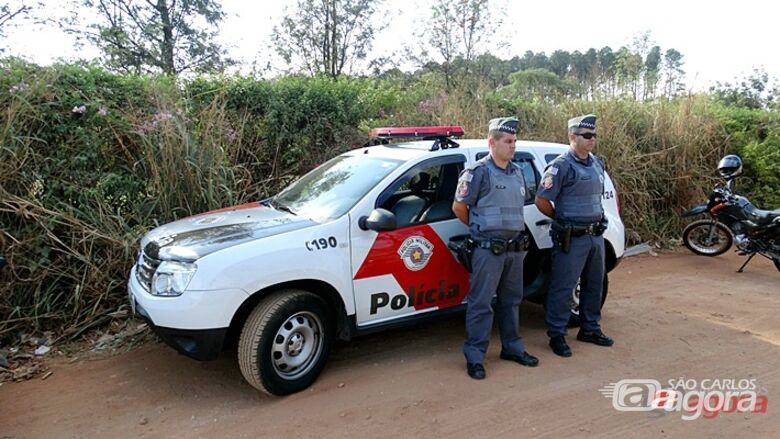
<point x="547" y="181"/>
<point x="466" y="176"/>
<point x="463" y="188"/>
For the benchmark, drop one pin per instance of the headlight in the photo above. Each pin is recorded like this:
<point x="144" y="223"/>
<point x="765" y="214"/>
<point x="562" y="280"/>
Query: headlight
<point x="172" y="278"/>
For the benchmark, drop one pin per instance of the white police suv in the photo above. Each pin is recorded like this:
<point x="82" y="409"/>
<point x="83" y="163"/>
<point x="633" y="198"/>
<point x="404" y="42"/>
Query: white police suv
<point x="356" y="245"/>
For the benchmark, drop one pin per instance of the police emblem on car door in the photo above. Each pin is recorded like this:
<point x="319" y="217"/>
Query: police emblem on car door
<point x="410" y="270"/>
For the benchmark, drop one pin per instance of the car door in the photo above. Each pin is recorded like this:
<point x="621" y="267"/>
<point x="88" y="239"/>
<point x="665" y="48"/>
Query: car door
<point x="410" y="270"/>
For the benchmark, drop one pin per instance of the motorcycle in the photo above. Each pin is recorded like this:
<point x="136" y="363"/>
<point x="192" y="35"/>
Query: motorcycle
<point x="733" y="219"/>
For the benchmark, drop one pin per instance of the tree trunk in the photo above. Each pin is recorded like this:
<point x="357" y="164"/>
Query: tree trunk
<point x="166" y="46"/>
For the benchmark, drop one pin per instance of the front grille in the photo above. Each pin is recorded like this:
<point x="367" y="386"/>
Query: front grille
<point x="145" y="268"/>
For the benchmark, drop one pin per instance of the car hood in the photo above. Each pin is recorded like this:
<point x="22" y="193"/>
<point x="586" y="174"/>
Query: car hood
<point x="194" y="237"/>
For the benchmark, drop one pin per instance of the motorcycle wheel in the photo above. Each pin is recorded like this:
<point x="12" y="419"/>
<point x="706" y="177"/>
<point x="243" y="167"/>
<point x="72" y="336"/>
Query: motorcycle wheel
<point x="707" y="238"/>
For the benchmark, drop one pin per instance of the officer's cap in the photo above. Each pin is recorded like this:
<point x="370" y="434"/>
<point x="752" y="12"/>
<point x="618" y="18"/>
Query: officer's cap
<point x="504" y="124"/>
<point x="587" y="121"/>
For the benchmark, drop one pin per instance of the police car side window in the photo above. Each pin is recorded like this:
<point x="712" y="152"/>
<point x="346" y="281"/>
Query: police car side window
<point x="550" y="157"/>
<point x="530" y="174"/>
<point x="424" y="194"/>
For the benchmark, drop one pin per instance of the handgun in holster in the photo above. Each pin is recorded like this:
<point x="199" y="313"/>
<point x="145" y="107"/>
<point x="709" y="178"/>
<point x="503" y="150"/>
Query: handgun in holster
<point x="463" y="248"/>
<point x="601" y="227"/>
<point x="562" y="235"/>
<point x="559" y="232"/>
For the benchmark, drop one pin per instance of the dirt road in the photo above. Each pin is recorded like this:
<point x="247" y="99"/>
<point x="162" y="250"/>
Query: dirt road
<point x="672" y="316"/>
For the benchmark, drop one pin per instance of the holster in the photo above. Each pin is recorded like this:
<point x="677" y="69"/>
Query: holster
<point x="601" y="227"/>
<point x="463" y="248"/>
<point x="562" y="235"/>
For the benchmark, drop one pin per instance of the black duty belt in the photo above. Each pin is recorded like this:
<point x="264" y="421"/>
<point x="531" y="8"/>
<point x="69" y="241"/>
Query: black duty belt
<point x="499" y="246"/>
<point x="596" y="229"/>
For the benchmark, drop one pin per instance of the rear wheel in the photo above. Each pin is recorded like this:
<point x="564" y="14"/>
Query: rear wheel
<point x="574" y="318"/>
<point x="285" y="342"/>
<point x="707" y="238"/>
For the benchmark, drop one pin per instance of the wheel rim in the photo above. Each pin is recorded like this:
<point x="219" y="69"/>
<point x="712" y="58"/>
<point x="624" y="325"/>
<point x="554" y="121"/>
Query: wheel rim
<point x="707" y="239"/>
<point x="575" y="300"/>
<point x="297" y="345"/>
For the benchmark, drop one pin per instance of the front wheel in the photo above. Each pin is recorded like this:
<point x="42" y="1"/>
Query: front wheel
<point x="574" y="318"/>
<point x="707" y="238"/>
<point x="285" y="342"/>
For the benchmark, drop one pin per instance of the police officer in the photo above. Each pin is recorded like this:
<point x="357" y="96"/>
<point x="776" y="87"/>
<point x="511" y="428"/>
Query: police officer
<point x="489" y="199"/>
<point x="574" y="182"/>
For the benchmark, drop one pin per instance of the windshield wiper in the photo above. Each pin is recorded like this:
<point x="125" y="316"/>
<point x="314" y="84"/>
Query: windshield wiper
<point x="279" y="206"/>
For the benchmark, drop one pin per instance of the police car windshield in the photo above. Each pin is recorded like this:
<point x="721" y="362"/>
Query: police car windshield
<point x="330" y="190"/>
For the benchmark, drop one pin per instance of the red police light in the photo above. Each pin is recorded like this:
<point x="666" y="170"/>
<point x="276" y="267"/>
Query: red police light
<point x="438" y="131"/>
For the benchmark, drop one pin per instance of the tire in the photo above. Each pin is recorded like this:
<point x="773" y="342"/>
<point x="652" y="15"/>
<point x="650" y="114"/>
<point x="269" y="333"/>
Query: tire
<point x="700" y="238"/>
<point x="777" y="263"/>
<point x="285" y="342"/>
<point x="574" y="318"/>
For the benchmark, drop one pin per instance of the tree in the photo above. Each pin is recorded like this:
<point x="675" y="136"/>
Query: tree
<point x="536" y="61"/>
<point x="560" y="60"/>
<point x="673" y="73"/>
<point x="457" y="30"/>
<point x="590" y="60"/>
<point x="628" y="67"/>
<point x="652" y="72"/>
<point x="538" y="85"/>
<point x="580" y="70"/>
<point x="9" y="13"/>
<point x="493" y="69"/>
<point x="606" y="66"/>
<point x="171" y="36"/>
<point x="326" y="36"/>
<point x="753" y="91"/>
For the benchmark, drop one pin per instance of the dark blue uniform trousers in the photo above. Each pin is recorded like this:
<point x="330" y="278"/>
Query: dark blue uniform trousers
<point x="585" y="261"/>
<point x="501" y="275"/>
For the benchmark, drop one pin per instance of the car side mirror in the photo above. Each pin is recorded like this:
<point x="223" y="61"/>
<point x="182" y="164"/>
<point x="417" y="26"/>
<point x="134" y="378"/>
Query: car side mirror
<point x="378" y="220"/>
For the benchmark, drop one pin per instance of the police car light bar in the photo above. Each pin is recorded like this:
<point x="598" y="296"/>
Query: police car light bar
<point x="430" y="132"/>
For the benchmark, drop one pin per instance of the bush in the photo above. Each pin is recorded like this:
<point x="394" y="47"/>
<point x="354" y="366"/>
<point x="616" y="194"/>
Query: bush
<point x="90" y="161"/>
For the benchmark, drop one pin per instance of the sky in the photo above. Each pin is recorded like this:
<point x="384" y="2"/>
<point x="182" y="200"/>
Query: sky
<point x="720" y="41"/>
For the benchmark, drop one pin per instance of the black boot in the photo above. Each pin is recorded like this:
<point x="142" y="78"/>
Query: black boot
<point x="476" y="370"/>
<point x="559" y="346"/>
<point x="595" y="337"/>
